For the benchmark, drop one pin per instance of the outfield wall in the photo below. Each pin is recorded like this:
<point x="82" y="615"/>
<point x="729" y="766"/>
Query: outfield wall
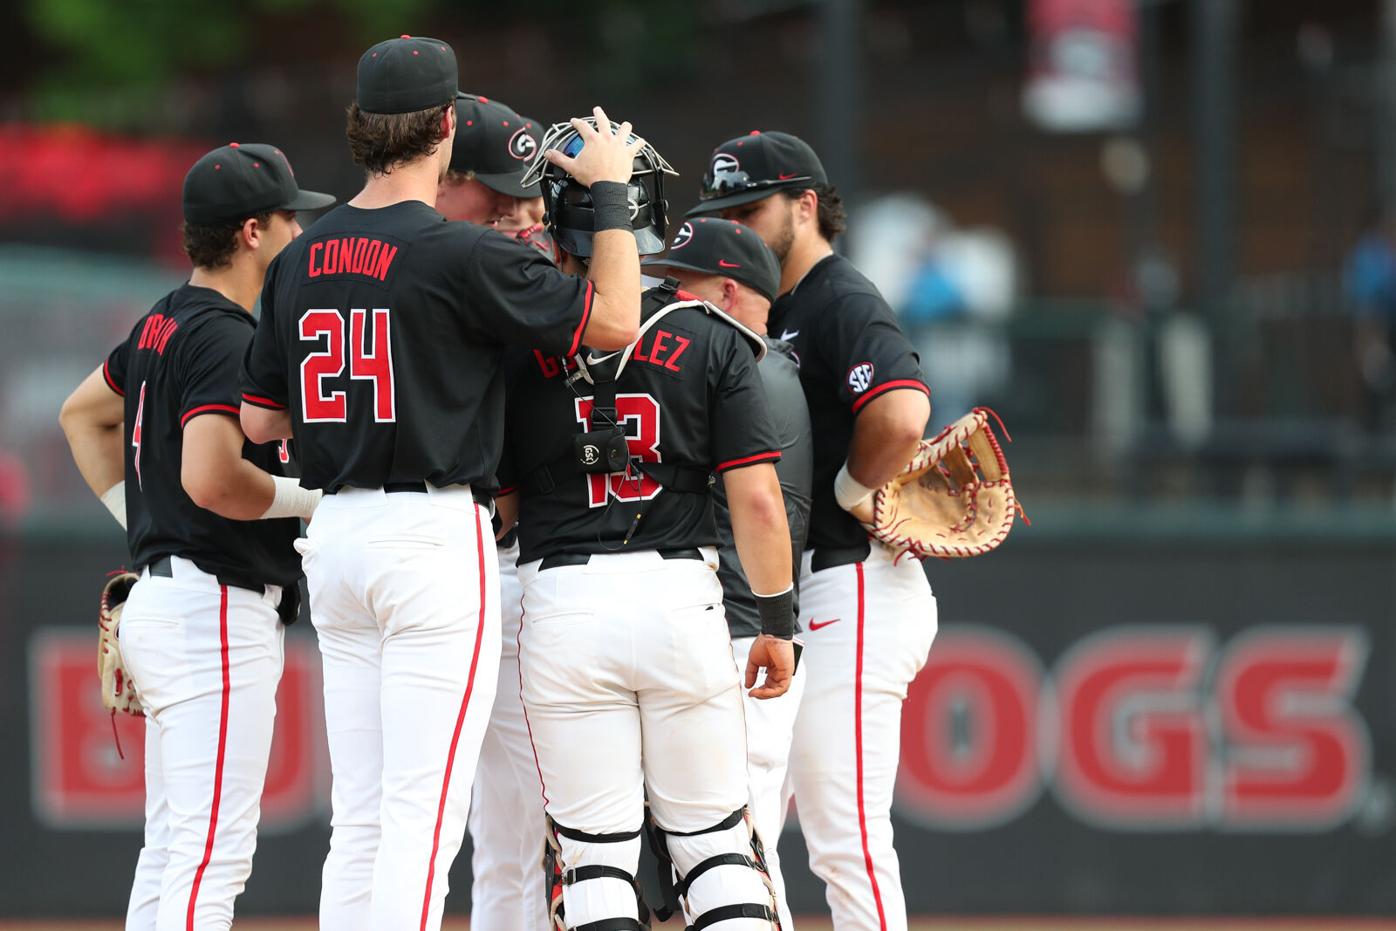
<point x="1108" y="724"/>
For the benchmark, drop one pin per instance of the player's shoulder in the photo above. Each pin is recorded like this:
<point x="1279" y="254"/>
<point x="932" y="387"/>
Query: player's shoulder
<point x="838" y="283"/>
<point x="688" y="310"/>
<point x="214" y="327"/>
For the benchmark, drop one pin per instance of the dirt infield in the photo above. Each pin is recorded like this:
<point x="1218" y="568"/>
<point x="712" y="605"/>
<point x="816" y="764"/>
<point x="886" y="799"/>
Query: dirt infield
<point x="814" y="923"/>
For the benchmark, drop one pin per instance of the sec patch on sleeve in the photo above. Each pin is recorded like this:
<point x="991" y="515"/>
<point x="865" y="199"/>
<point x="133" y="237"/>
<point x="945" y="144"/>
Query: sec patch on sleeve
<point x="860" y="377"/>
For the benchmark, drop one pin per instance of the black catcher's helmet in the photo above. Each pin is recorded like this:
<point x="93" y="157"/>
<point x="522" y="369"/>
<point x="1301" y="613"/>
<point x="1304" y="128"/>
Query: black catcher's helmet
<point x="567" y="204"/>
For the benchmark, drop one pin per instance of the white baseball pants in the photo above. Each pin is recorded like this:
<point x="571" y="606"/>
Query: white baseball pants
<point x="770" y="727"/>
<point x="507" y="826"/>
<point x="628" y="683"/>
<point x="868" y="630"/>
<point x="206" y="659"/>
<point x="404" y="594"/>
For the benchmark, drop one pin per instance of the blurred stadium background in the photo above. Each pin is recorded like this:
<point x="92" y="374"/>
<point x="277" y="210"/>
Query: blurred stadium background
<point x="1156" y="236"/>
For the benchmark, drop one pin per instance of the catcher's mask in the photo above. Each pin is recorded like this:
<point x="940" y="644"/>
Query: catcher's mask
<point x="567" y="204"/>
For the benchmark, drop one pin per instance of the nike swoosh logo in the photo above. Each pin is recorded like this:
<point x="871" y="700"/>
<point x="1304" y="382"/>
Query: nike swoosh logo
<point x="723" y="263"/>
<point x="788" y="335"/>
<point x="784" y="176"/>
<point x="815" y="625"/>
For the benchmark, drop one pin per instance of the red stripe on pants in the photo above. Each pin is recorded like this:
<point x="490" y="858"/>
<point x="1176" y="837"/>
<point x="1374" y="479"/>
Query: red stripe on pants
<point x="858" y="752"/>
<point x="460" y="722"/>
<point x="222" y="749"/>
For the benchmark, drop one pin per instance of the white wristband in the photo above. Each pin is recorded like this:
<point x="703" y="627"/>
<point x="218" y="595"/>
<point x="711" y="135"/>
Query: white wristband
<point x="114" y="498"/>
<point x="848" y="491"/>
<point x="291" y="500"/>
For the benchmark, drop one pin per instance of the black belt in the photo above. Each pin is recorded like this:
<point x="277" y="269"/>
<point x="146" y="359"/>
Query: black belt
<point x="163" y="568"/>
<point x="482" y="498"/>
<point x="581" y="559"/>
<point x="831" y="557"/>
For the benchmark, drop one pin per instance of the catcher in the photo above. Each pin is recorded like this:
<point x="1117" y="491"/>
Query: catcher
<point x="869" y="618"/>
<point x="154" y="431"/>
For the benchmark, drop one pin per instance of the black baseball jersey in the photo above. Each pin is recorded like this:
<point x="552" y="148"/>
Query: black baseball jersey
<point x="785" y="400"/>
<point x="382" y="331"/>
<point x="851" y="350"/>
<point x="182" y="361"/>
<point x="689" y="397"/>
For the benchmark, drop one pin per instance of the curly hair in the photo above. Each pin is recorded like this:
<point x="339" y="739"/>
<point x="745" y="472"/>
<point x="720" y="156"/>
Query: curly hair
<point x="213" y="246"/>
<point x="382" y="141"/>
<point x="833" y="219"/>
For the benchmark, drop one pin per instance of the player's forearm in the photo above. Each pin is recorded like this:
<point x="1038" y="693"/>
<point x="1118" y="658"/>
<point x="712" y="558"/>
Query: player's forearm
<point x="98" y="454"/>
<point x="759" y="527"/>
<point x="615" y="278"/>
<point x="93" y="419"/>
<point x="237" y="490"/>
<point x="885" y="436"/>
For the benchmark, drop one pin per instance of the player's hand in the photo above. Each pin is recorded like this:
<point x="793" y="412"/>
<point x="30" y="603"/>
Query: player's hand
<point x="777" y="657"/>
<point x="606" y="154"/>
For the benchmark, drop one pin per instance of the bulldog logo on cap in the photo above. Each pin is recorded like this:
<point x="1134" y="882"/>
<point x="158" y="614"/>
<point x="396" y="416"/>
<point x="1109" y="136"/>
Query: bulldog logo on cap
<point x="682" y="237"/>
<point x="522" y="146"/>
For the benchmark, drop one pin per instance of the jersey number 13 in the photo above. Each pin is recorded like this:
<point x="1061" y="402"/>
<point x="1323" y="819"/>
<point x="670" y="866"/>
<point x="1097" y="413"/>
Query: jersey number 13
<point x="639" y="413"/>
<point x="370" y="358"/>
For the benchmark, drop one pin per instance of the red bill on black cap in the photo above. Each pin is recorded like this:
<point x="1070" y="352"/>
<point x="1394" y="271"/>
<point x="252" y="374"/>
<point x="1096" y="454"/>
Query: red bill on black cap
<point x="495" y="144"/>
<point x="237" y="181"/>
<point x="406" y="74"/>
<point x="753" y="167"/>
<point x="721" y="247"/>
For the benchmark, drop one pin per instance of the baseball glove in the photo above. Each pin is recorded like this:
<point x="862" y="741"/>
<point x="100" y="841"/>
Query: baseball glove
<point x="953" y="500"/>
<point x="118" y="691"/>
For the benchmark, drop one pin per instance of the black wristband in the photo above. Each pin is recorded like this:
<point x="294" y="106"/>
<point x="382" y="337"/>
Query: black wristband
<point x="777" y="614"/>
<point x="610" y="206"/>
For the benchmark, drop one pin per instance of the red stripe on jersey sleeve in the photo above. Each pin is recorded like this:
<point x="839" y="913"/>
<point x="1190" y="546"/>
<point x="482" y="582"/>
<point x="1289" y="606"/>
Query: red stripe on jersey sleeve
<point x="506" y="491"/>
<point x="748" y="460"/>
<point x="111" y="382"/>
<point x="260" y="401"/>
<point x="890" y="386"/>
<point x="207" y="409"/>
<point x="582" y="327"/>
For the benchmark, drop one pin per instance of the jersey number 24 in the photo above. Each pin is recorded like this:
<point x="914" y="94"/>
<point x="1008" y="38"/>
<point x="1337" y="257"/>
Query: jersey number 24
<point x="373" y="365"/>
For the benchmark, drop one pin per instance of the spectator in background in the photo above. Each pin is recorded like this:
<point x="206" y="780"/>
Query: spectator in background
<point x="932" y="295"/>
<point x="1369" y="281"/>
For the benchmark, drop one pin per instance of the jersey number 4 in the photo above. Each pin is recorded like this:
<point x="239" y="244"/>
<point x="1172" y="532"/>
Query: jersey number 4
<point x="370" y="359"/>
<point x="639" y="415"/>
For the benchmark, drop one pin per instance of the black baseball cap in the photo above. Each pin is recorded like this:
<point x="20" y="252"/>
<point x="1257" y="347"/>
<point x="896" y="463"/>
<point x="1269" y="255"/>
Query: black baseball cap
<point x="495" y="144"/>
<point x="406" y="74"/>
<point x="235" y="182"/>
<point x="753" y="167"/>
<point x="721" y="247"/>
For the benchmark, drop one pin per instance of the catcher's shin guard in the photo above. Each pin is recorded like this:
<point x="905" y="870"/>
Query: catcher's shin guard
<point x="591" y="880"/>
<point x="719" y="875"/>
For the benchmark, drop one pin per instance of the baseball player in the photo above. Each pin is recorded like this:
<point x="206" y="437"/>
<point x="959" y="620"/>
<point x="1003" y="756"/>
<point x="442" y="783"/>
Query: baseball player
<point x="725" y="264"/>
<point x="526" y="224"/>
<point x="378" y="346"/>
<point x="492" y="149"/>
<point x="868" y="621"/>
<point x="626" y="663"/>
<point x="154" y="432"/>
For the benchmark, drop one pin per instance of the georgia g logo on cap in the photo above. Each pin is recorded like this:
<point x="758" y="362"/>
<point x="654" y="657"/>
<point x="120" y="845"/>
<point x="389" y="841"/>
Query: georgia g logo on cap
<point x="522" y="146"/>
<point x="682" y="237"/>
<point x="724" y="163"/>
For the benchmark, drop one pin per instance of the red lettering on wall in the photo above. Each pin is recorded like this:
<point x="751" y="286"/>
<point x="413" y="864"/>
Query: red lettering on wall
<point x="1297" y="751"/>
<point x="969" y="732"/>
<point x="79" y="780"/>
<point x="1134" y="741"/>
